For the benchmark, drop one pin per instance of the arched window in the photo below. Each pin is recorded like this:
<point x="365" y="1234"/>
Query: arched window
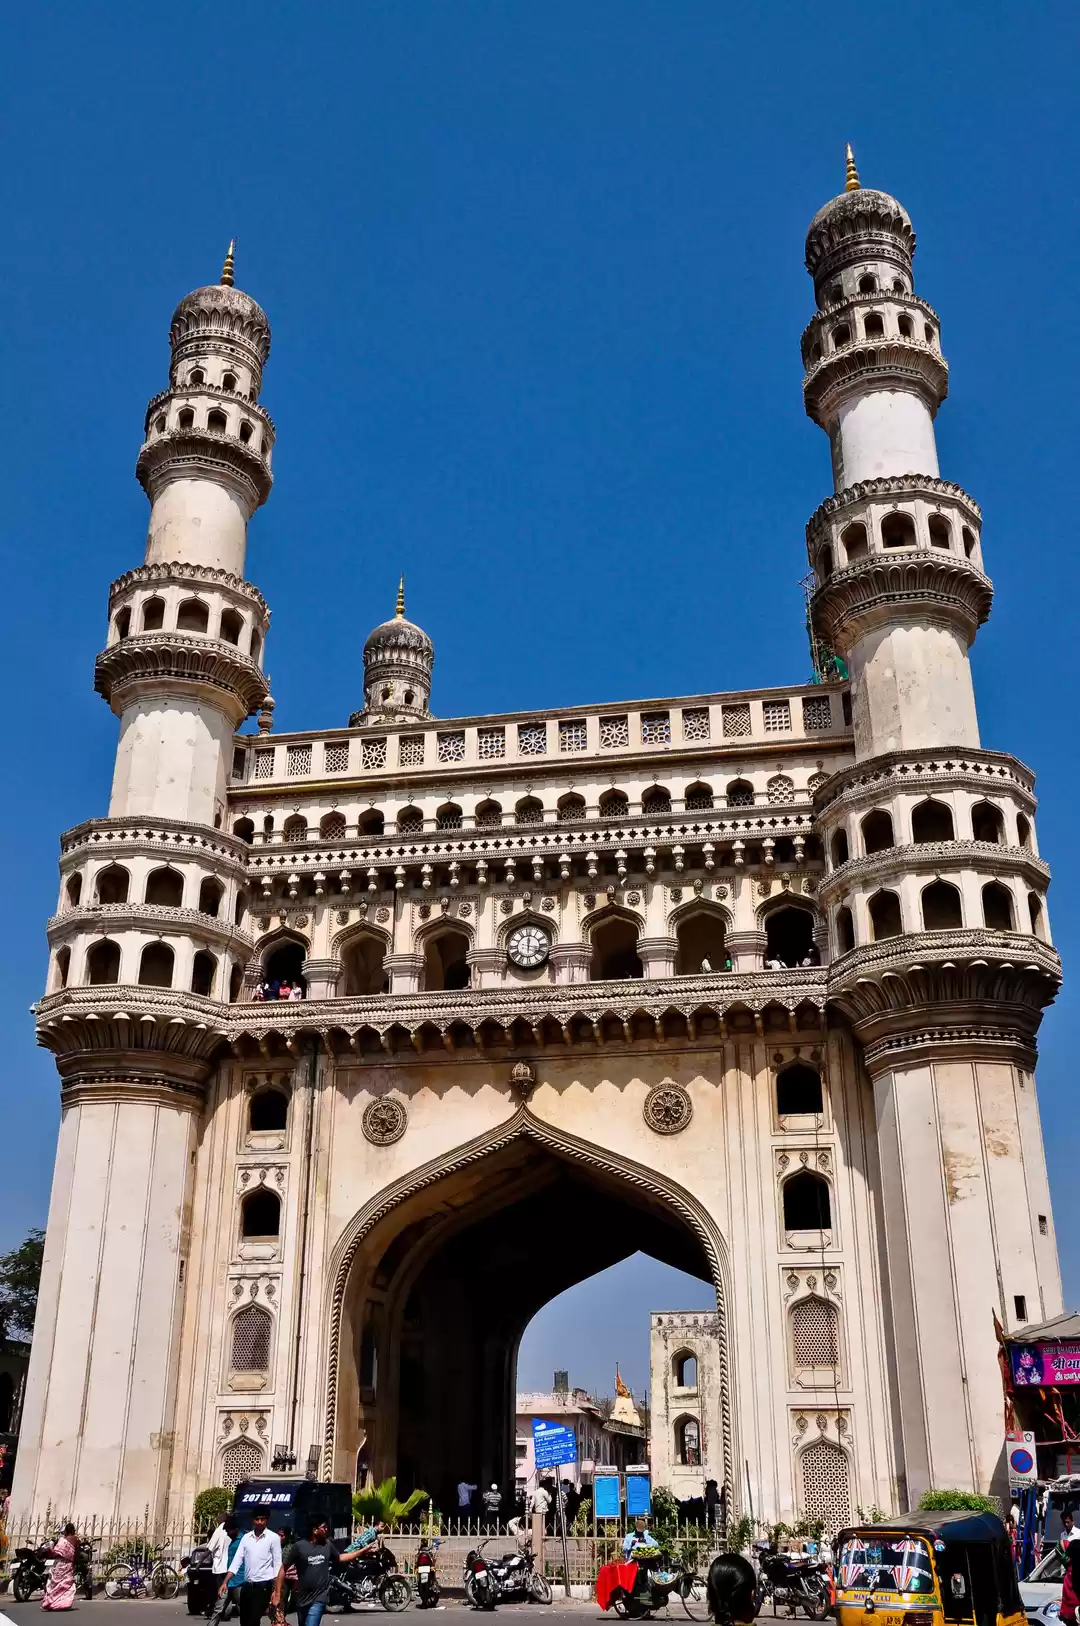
<point x="877" y="831"/>
<point x="111" y="885"/>
<point x="854" y="543"/>
<point x="781" y="789"/>
<point x="570" y="808"/>
<point x="232" y="625"/>
<point x="236" y="983"/>
<point x="217" y="421"/>
<point x="874" y="327"/>
<point x="193" y="616"/>
<point x="904" y="327"/>
<point x="197" y="376"/>
<point x="931" y="821"/>
<point x="240" y="908"/>
<point x="228" y="381"/>
<point x="373" y="823"/>
<point x="968" y="539"/>
<point x="185" y="418"/>
<point x="156" y="966"/>
<point x="839" y="849"/>
<point x="941" y="910"/>
<point x="898" y="531"/>
<point x="614" y="944"/>
<point x="241" y="1460"/>
<point x="448" y="817"/>
<point x="488" y="815"/>
<point x="246" y="431"/>
<point x="845" y="930"/>
<point x="103" y="962"/>
<point x="940" y="533"/>
<point x="73" y="890"/>
<point x="410" y="821"/>
<point x="701" y="946"/>
<point x="684" y="1369"/>
<point x="244" y="829"/>
<point x="825" y="563"/>
<point x="885" y="917"/>
<point x="740" y="793"/>
<point x="841" y="335"/>
<point x="1023" y="830"/>
<point x="656" y="801"/>
<point x="165" y="887"/>
<point x="789" y="937"/>
<point x="63" y="966"/>
<point x="1035" y="916"/>
<point x="688" y="1442"/>
<point x="332" y="827"/>
<point x="153" y="615"/>
<point x="362" y="965"/>
<point x="868" y="284"/>
<point x="815" y="1338"/>
<point x="255" y="646"/>
<point x="806" y="1203"/>
<point x="251" y="1331"/>
<point x="987" y="823"/>
<point x="614" y="804"/>
<point x="997" y="907"/>
<point x="268" y="1111"/>
<point x="445" y="965"/>
<point x="698" y="798"/>
<point x="284" y="963"/>
<point x="260" y="1213"/>
<point x="826" y="1485"/>
<point x="798" y="1090"/>
<point x="529" y="811"/>
<point x="123" y="624"/>
<point x="203" y="969"/>
<point x="295" y="827"/>
<point x="835" y="294"/>
<point x="211" y="893"/>
<point x="928" y="333"/>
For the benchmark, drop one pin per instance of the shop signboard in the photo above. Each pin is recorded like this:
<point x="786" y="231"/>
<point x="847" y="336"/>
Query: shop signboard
<point x="1045" y="1366"/>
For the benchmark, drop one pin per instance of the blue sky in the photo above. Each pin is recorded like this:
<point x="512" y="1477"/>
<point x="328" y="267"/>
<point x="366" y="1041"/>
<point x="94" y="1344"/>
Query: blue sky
<point x="535" y="279"/>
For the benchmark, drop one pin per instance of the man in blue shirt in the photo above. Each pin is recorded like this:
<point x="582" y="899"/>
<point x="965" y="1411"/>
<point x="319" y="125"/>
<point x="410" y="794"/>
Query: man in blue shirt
<point x="639" y="1536"/>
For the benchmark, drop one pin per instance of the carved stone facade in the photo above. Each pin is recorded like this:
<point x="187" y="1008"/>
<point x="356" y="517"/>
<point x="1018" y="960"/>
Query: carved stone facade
<point x="749" y="981"/>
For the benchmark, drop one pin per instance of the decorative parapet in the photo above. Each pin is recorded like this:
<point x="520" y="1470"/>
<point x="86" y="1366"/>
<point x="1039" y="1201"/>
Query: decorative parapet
<point x="871" y="593"/>
<point x="894" y="485"/>
<point x="189" y="658"/>
<point x="205" y="452"/>
<point x="926" y="769"/>
<point x="888" y="362"/>
<point x="988" y="857"/>
<point x="148" y="916"/>
<point x="174" y="570"/>
<point x="110" y="837"/>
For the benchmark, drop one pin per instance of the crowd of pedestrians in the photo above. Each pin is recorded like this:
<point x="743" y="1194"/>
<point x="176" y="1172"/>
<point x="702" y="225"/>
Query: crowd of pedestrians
<point x="278" y="990"/>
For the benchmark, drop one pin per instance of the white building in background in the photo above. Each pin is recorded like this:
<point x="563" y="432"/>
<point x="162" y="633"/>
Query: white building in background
<point x="605" y="1437"/>
<point x="749" y="980"/>
<point x="686" y="1373"/>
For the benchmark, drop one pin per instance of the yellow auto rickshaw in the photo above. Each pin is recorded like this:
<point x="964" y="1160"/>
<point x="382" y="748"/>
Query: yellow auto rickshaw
<point x="928" y="1569"/>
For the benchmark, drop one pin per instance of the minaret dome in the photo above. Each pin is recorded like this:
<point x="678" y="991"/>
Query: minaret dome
<point x="398" y="658"/>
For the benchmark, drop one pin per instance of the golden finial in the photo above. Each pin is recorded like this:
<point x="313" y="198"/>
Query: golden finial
<point x="400" y="610"/>
<point x="230" y="265"/>
<point x="852" y="182"/>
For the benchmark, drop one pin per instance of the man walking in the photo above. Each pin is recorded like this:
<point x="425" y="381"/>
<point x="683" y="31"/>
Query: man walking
<point x="314" y="1564"/>
<point x="260" y="1554"/>
<point x="222" y="1545"/>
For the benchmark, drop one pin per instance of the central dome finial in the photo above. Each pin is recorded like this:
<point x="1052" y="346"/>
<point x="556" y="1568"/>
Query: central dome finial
<point x="228" y="270"/>
<point x="398" y="657"/>
<point x="852" y="182"/>
<point x="400" y="607"/>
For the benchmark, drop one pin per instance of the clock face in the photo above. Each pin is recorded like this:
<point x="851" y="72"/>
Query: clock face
<point x="528" y="946"/>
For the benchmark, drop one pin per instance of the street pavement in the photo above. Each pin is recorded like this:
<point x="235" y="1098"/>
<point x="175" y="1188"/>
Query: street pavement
<point x="151" y="1612"/>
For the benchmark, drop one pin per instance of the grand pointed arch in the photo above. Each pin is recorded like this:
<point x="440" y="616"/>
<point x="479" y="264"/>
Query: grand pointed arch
<point x="524" y="1125"/>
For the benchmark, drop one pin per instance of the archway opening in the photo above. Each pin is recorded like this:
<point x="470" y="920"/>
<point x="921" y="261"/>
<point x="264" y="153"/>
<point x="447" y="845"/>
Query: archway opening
<point x="445" y="963"/>
<point x="362" y="968"/>
<point x="428" y="1382"/>
<point x="615" y="951"/>
<point x="700" y="936"/>
<point x="283" y="965"/>
<point x="789" y="937"/>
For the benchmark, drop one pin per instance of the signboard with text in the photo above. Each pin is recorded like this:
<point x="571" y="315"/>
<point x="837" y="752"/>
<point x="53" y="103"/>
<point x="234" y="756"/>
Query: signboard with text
<point x="606" y="1496"/>
<point x="1045" y="1366"/>
<point x="553" y="1444"/>
<point x="638" y="1499"/>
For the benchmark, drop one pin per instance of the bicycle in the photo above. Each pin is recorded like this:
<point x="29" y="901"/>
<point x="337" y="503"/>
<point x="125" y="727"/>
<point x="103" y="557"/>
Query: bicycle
<point x="145" y="1576"/>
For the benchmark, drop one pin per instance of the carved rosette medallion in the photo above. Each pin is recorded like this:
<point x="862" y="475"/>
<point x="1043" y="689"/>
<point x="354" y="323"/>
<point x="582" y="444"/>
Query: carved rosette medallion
<point x="668" y="1109"/>
<point x="384" y="1121"/>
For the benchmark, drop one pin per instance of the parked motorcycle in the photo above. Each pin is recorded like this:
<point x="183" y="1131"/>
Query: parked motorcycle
<point x="427" y="1582"/>
<point x="515" y="1578"/>
<point x="372" y="1579"/>
<point x="792" y="1581"/>
<point x="480" y="1588"/>
<point x="30" y="1572"/>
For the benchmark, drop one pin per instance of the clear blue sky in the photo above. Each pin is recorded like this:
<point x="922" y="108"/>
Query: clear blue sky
<point x="534" y="273"/>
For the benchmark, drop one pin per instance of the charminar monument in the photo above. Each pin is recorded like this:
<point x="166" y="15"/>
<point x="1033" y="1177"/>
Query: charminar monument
<point x="749" y="980"/>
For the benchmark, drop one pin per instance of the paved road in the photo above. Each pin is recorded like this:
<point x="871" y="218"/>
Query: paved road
<point x="148" y="1612"/>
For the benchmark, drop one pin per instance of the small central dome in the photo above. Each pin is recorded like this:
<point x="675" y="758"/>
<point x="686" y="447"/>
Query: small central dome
<point x="860" y="223"/>
<point x="221" y="311"/>
<point x="398" y="658"/>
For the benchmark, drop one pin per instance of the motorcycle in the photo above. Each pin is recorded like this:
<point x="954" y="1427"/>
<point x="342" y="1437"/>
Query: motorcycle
<point x="480" y="1588"/>
<point x="792" y="1581"/>
<point x="516" y="1580"/>
<point x="372" y="1579"/>
<point x="33" y="1566"/>
<point x="427" y="1582"/>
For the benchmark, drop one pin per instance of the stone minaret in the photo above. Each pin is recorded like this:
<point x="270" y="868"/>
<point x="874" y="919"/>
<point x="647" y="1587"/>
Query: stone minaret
<point x="935" y="892"/>
<point x="149" y="936"/>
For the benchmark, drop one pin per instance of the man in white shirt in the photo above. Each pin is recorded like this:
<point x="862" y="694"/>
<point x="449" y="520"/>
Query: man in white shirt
<point x="219" y="1550"/>
<point x="260" y="1554"/>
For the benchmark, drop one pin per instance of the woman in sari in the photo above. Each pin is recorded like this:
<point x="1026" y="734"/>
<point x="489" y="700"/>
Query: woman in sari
<point x="60" y="1592"/>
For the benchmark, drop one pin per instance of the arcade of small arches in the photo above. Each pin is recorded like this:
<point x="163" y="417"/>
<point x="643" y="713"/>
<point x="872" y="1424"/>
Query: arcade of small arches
<point x="895" y="528"/>
<point x="148" y="610"/>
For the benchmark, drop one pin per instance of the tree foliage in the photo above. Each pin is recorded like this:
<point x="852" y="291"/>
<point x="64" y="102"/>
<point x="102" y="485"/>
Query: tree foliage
<point x="379" y="1504"/>
<point x="939" y="1501"/>
<point x="211" y="1506"/>
<point x="20" y="1272"/>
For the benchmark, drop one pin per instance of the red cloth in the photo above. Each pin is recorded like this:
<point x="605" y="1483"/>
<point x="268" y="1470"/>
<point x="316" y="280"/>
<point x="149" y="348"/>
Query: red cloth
<point x="1067" y="1611"/>
<point x="611" y="1577"/>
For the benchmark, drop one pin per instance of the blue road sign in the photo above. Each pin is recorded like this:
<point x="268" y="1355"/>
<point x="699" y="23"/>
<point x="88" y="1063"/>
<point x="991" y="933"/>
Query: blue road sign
<point x="638" y="1500"/>
<point x="553" y="1444"/>
<point x="606" y="1496"/>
